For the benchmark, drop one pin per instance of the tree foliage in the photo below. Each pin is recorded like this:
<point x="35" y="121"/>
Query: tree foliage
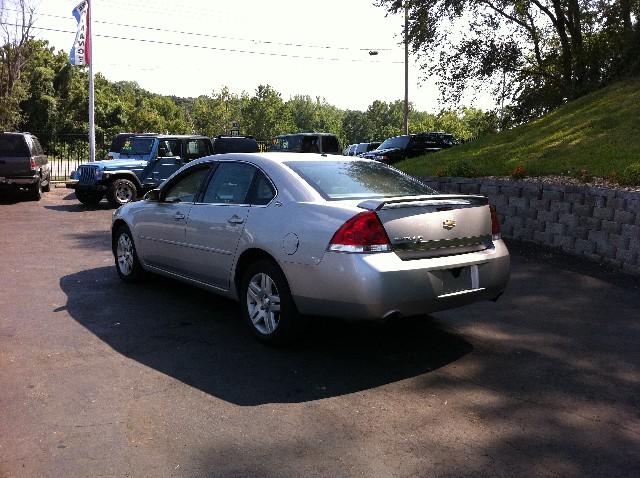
<point x="53" y="100"/>
<point x="536" y="54"/>
<point x="15" y="31"/>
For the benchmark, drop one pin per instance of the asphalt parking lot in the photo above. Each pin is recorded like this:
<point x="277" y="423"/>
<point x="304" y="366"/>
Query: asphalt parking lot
<point x="100" y="378"/>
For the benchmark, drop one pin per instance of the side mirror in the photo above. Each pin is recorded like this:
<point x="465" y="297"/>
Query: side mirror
<point x="153" y="195"/>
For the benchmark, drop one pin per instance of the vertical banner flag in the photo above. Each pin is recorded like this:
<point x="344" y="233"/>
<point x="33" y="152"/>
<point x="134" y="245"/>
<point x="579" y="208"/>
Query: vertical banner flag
<point x="81" y="51"/>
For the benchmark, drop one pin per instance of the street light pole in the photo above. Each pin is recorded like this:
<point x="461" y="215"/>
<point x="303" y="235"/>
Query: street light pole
<point x="406" y="69"/>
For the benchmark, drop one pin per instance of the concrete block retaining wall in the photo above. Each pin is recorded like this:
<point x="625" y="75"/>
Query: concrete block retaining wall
<point x="600" y="224"/>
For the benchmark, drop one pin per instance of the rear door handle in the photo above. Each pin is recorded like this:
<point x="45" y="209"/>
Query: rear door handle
<point x="178" y="216"/>
<point x="235" y="220"/>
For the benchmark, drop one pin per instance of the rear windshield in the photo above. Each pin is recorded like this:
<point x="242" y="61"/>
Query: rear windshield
<point x="118" y="142"/>
<point x="395" y="142"/>
<point x="287" y="143"/>
<point x="137" y="146"/>
<point x="235" y="145"/>
<point x="13" y="145"/>
<point x="336" y="180"/>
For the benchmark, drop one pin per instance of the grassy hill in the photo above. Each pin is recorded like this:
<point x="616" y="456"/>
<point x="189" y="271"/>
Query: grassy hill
<point x="598" y="134"/>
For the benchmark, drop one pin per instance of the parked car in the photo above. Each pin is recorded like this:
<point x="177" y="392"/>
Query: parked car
<point x="298" y="234"/>
<point x="235" y="144"/>
<point x="440" y="140"/>
<point x="402" y="147"/>
<point x="23" y="164"/>
<point x="348" y="150"/>
<point x="145" y="161"/>
<point x="325" y="143"/>
<point x="119" y="141"/>
<point x="362" y="148"/>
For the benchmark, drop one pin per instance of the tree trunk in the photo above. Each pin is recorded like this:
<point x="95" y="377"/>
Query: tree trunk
<point x="566" y="51"/>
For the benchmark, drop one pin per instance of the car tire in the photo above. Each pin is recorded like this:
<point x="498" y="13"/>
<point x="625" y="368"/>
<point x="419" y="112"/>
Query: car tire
<point x="89" y="198"/>
<point x="267" y="305"/>
<point x="120" y="192"/>
<point x="126" y="257"/>
<point x="35" y="190"/>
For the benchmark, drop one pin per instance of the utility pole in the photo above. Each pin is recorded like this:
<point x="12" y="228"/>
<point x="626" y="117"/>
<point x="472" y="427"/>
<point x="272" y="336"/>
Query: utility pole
<point x="406" y="68"/>
<point x="92" y="121"/>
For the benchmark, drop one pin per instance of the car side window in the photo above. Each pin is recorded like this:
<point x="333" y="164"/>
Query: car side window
<point x="187" y="187"/>
<point x="169" y="148"/>
<point x="262" y="192"/>
<point x="230" y="184"/>
<point x="196" y="148"/>
<point x="37" y="148"/>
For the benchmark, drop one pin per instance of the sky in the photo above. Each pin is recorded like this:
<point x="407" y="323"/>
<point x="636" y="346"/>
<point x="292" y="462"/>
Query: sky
<point x="195" y="47"/>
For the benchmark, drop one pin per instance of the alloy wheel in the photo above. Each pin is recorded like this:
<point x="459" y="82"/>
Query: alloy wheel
<point x="124" y="193"/>
<point x="124" y="254"/>
<point x="263" y="303"/>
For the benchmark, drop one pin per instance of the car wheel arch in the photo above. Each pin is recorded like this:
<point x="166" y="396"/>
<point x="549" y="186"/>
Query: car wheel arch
<point x="248" y="257"/>
<point x="117" y="225"/>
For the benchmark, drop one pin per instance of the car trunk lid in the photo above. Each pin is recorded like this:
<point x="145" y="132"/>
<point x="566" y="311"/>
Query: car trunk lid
<point x="433" y="226"/>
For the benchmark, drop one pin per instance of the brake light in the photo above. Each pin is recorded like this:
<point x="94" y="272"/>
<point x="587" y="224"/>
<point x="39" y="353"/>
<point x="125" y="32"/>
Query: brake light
<point x="362" y="233"/>
<point x="32" y="163"/>
<point x="495" y="224"/>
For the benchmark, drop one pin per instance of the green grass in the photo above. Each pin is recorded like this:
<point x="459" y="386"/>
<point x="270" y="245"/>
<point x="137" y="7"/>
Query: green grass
<point x="599" y="133"/>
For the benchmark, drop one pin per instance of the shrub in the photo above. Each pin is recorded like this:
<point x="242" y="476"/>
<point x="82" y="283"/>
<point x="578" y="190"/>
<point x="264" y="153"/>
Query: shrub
<point x="584" y="176"/>
<point x="518" y="173"/>
<point x="631" y="174"/>
<point x="614" y="177"/>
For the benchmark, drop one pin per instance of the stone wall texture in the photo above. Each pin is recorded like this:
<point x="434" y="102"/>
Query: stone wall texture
<point x="602" y="225"/>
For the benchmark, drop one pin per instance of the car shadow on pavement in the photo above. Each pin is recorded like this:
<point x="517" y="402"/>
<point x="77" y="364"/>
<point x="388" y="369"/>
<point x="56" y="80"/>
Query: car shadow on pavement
<point x="79" y="207"/>
<point x="199" y="339"/>
<point x="13" y="197"/>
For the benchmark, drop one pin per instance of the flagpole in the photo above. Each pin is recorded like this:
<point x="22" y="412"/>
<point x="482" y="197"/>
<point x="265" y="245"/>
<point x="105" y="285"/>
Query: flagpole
<point x="92" y="125"/>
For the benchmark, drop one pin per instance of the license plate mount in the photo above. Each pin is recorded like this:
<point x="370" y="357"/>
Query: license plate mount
<point x="459" y="279"/>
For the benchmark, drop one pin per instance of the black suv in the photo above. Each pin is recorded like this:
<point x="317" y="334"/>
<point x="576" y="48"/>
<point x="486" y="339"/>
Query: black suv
<point x="235" y="144"/>
<point x="325" y="143"/>
<point x="402" y="147"/>
<point x="23" y="164"/>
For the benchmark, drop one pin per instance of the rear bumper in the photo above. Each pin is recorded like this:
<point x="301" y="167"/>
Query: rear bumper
<point x="19" y="180"/>
<point x="376" y="286"/>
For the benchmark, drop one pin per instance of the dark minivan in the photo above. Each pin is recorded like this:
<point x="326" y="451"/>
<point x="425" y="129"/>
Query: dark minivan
<point x="23" y="164"/>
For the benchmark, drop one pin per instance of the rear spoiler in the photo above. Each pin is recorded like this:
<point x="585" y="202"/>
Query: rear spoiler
<point x="433" y="200"/>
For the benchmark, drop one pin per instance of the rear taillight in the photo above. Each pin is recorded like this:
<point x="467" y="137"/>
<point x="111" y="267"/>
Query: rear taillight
<point x="362" y="233"/>
<point x="495" y="224"/>
<point x="32" y="163"/>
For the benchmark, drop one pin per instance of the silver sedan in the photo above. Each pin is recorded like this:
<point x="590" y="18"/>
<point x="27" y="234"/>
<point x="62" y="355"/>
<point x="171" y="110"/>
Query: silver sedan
<point x="289" y="235"/>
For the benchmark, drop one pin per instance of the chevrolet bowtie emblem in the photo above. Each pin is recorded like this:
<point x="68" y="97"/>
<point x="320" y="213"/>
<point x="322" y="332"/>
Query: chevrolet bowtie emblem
<point x="448" y="224"/>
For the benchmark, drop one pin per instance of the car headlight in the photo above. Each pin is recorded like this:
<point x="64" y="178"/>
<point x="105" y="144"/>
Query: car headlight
<point x="99" y="175"/>
<point x="73" y="175"/>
